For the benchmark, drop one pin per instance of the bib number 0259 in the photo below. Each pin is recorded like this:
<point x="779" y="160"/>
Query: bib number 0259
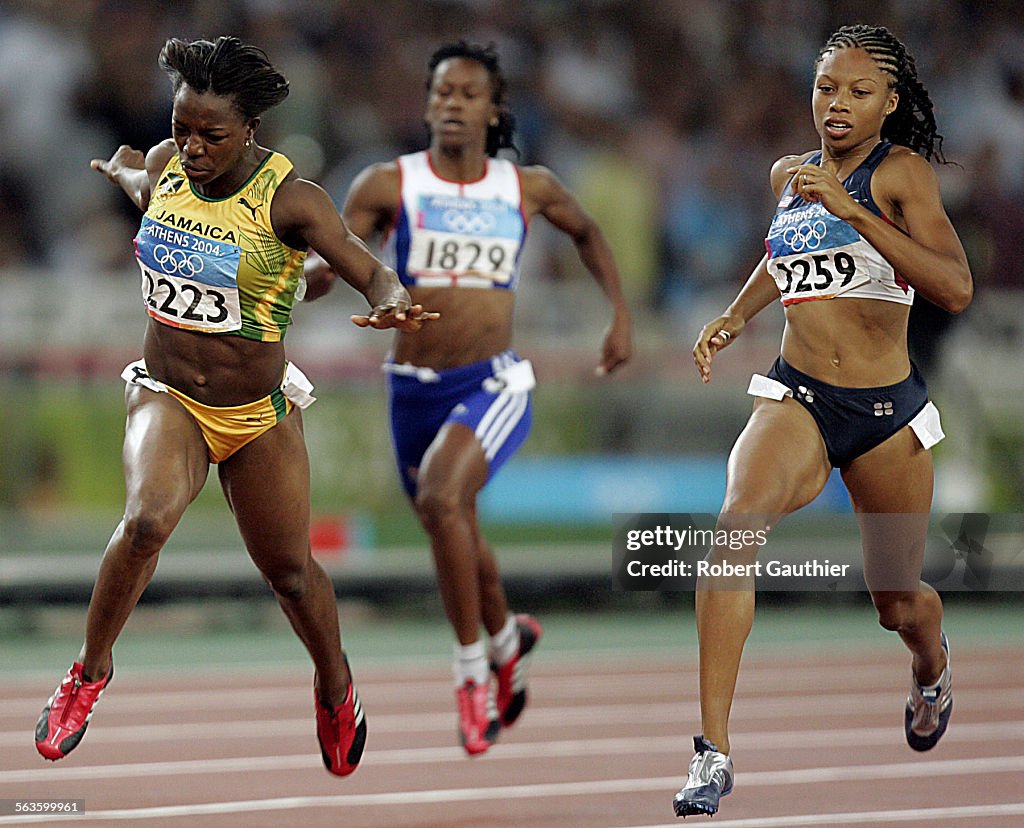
<point x="817" y="273"/>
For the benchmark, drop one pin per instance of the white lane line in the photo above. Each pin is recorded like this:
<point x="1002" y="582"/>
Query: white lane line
<point x="901" y="770"/>
<point x="635" y="746"/>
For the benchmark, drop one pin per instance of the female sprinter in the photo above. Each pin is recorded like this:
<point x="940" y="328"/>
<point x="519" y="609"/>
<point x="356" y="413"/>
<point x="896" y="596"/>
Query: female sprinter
<point x="224" y="234"/>
<point x="453" y="219"/>
<point x="859" y="228"/>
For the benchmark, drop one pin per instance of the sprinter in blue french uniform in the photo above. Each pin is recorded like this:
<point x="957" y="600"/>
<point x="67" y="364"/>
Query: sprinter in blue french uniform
<point x="859" y="228"/>
<point x="452" y="220"/>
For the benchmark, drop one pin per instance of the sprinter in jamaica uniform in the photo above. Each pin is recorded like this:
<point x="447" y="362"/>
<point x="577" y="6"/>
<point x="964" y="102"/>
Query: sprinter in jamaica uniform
<point x="221" y="247"/>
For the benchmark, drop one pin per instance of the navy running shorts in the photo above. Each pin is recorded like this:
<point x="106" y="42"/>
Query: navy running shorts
<point x="852" y="421"/>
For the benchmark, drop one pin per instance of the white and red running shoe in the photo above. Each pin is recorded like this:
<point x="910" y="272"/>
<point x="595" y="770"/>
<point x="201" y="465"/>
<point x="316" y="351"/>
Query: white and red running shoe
<point x="512" y="689"/>
<point x="63" y="721"/>
<point x="478" y="717"/>
<point x="341" y="732"/>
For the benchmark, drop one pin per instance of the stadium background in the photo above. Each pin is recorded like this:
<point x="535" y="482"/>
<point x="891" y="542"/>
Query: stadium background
<point x="664" y="118"/>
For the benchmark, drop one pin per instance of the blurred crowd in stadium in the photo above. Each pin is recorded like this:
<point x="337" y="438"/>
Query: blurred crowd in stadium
<point x="663" y="115"/>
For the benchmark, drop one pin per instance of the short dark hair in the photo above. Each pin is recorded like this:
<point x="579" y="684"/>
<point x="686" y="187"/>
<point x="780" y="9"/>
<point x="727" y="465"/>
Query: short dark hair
<point x="226" y="67"/>
<point x="912" y="123"/>
<point x="500" y="135"/>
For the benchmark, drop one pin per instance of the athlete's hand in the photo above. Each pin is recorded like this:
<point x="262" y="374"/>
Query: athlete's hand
<point x="814" y="183"/>
<point x="391" y="303"/>
<point x="714" y="336"/>
<point x="402" y="316"/>
<point x="124" y="158"/>
<point x="618" y="345"/>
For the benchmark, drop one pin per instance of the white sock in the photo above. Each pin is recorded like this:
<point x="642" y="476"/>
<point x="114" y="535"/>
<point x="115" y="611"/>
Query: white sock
<point x="470" y="663"/>
<point x="505" y="643"/>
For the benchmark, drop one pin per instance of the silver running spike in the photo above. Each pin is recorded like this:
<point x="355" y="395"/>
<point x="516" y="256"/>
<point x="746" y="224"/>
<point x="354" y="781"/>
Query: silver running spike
<point x="710" y="778"/>
<point x="928" y="710"/>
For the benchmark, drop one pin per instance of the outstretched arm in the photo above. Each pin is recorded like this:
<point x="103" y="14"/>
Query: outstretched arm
<point x="134" y="172"/>
<point x="553" y="201"/>
<point x="302" y="210"/>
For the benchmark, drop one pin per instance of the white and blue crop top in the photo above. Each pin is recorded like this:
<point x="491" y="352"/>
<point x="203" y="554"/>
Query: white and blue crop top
<point x="814" y="255"/>
<point x="457" y="233"/>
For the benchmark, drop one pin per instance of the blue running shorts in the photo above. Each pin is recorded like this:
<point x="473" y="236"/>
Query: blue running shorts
<point x="491" y="397"/>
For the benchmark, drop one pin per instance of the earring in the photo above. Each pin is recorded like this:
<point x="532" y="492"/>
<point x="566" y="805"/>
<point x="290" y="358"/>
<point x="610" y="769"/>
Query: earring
<point x="248" y="143"/>
<point x="494" y="122"/>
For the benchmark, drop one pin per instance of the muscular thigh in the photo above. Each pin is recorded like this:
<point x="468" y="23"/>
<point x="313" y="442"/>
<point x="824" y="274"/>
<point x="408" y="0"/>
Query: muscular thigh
<point x="266" y="483"/>
<point x="164" y="456"/>
<point x="895" y="476"/>
<point x="891" y="490"/>
<point x="779" y="462"/>
<point x="454" y="466"/>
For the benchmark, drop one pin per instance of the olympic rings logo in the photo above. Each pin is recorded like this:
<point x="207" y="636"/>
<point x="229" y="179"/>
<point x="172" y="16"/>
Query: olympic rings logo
<point x="806" y="236"/>
<point x="463" y="221"/>
<point x="178" y="262"/>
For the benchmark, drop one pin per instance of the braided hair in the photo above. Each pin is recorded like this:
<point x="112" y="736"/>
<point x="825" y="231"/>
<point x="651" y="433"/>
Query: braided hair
<point x="912" y="123"/>
<point x="499" y="136"/>
<point x="226" y="67"/>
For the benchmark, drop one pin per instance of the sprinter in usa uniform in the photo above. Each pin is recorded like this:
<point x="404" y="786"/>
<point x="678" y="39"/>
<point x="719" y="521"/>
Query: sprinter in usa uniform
<point x="859" y="228"/>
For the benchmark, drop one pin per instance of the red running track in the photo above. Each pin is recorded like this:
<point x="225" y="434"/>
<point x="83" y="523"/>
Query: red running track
<point x="816" y="742"/>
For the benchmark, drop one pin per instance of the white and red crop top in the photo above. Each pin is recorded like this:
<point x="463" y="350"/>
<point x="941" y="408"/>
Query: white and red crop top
<point x="457" y="233"/>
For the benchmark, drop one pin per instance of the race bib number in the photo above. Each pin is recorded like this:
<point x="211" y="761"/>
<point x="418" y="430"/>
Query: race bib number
<point x="814" y="255"/>
<point x="464" y="240"/>
<point x="816" y="276"/>
<point x="189" y="281"/>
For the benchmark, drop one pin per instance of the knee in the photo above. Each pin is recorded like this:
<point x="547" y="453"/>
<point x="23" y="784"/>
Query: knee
<point x="146" y="531"/>
<point x="290" y="583"/>
<point x="747" y="508"/>
<point x="895" y="611"/>
<point x="747" y="516"/>
<point x="437" y="507"/>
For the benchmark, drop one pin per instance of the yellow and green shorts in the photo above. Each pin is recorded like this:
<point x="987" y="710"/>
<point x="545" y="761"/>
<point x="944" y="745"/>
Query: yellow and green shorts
<point x="227" y="428"/>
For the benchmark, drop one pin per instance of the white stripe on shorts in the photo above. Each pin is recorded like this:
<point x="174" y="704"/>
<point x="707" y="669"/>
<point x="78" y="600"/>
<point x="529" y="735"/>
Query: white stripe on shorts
<point x="493" y="410"/>
<point x="512" y="411"/>
<point x="522" y="401"/>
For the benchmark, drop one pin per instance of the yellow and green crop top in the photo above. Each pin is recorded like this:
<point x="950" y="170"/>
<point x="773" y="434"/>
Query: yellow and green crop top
<point x="214" y="264"/>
